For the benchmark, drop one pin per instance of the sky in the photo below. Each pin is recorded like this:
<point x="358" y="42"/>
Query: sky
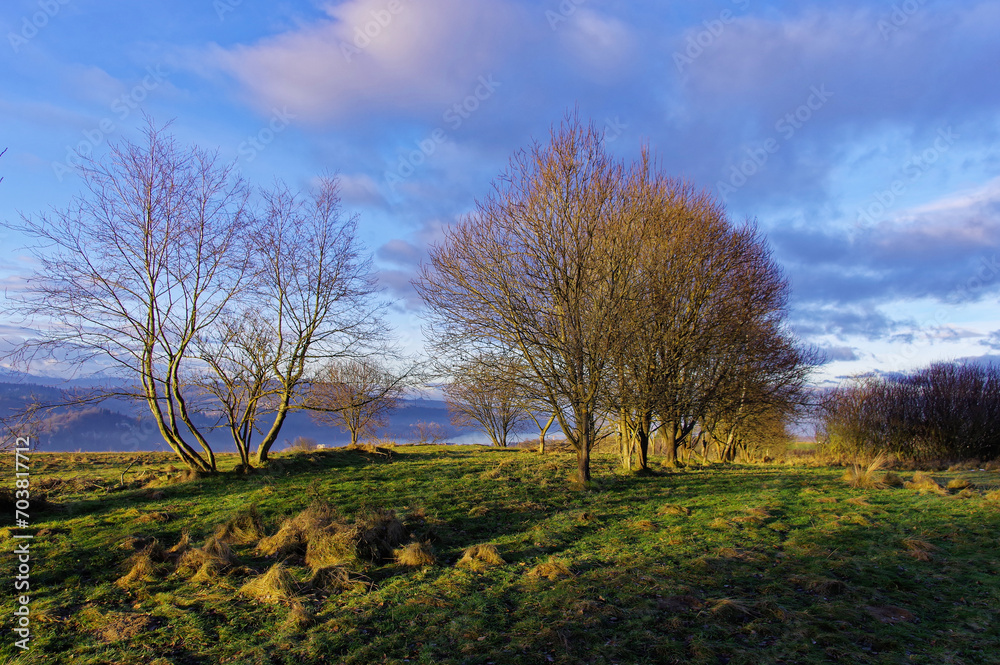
<point x="861" y="136"/>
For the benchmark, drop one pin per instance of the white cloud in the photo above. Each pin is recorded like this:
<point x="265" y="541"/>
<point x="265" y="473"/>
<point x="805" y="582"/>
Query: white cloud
<point x="366" y="58"/>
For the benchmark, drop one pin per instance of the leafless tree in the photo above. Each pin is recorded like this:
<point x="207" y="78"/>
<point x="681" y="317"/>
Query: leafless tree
<point x="482" y="394"/>
<point x="133" y="271"/>
<point x="162" y="271"/>
<point x="543" y="268"/>
<point x="311" y="301"/>
<point x="355" y="395"/>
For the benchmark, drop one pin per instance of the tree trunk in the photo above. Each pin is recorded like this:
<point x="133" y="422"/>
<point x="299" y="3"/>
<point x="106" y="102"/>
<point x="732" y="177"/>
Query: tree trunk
<point x="541" y="433"/>
<point x="583" y="464"/>
<point x="670" y="444"/>
<point x="624" y="441"/>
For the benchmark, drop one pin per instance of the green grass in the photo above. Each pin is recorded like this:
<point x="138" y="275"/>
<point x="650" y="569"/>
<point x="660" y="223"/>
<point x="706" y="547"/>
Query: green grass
<point x="773" y="564"/>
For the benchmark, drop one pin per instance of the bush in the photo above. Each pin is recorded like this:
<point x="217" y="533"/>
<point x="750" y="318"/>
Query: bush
<point x="948" y="410"/>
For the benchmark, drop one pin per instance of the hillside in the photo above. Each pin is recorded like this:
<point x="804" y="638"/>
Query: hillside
<point x="118" y="426"/>
<point x="721" y="564"/>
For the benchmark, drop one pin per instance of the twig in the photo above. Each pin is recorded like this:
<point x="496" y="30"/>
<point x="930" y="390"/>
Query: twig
<point x="122" y="483"/>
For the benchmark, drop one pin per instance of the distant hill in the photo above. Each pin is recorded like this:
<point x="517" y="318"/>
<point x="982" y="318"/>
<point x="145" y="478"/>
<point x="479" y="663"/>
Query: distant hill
<point x="116" y="425"/>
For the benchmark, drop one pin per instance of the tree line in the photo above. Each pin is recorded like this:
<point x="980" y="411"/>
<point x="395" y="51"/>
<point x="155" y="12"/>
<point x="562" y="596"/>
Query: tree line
<point x="584" y="290"/>
<point x="596" y="289"/>
<point x="209" y="296"/>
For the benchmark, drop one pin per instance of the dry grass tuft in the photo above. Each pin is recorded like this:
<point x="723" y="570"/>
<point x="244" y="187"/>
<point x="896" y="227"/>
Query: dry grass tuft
<point x="297" y="620"/>
<point x="479" y="511"/>
<point x="866" y="476"/>
<point x="142" y="569"/>
<point x="858" y="501"/>
<point x="415" y="555"/>
<point x="730" y="610"/>
<point x="332" y="579"/>
<point x="924" y="483"/>
<point x="892" y="479"/>
<point x="553" y="569"/>
<point x="154" y="516"/>
<point x="918" y="549"/>
<point x="992" y="496"/>
<point x="644" y="525"/>
<point x="191" y="561"/>
<point x="719" y="524"/>
<point x="959" y="484"/>
<point x="275" y="586"/>
<point x="294" y="534"/>
<point x="244" y="528"/>
<point x="674" y="509"/>
<point x="480" y="557"/>
<point x="826" y="499"/>
<point x="209" y="572"/>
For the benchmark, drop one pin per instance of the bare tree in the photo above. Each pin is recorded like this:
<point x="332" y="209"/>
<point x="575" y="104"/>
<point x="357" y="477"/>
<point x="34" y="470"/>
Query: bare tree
<point x="161" y="272"/>
<point x="136" y="269"/>
<point x="543" y="268"/>
<point x="355" y="395"/>
<point x="311" y="301"/>
<point x="483" y="395"/>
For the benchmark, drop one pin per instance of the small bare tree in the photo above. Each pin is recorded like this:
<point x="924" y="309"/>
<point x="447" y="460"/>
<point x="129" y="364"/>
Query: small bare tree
<point x="482" y="395"/>
<point x="311" y="301"/>
<point x="355" y="395"/>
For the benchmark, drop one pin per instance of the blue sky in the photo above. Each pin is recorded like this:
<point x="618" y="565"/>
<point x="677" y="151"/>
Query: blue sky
<point x="862" y="136"/>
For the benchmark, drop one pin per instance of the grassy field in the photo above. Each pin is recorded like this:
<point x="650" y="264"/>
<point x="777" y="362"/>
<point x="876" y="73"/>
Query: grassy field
<point x="721" y="564"/>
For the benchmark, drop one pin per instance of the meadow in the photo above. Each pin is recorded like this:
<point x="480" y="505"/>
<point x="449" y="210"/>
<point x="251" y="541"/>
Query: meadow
<point x="465" y="554"/>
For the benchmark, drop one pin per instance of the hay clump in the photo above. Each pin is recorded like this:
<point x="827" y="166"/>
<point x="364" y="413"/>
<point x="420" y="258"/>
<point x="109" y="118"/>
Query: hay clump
<point x="333" y="579"/>
<point x="142" y="569"/>
<point x="294" y="534"/>
<point x="415" y="555"/>
<point x="918" y="549"/>
<point x="923" y="483"/>
<point x="244" y="528"/>
<point x="276" y="586"/>
<point x="553" y="569"/>
<point x="674" y="509"/>
<point x="959" y="484"/>
<point x="480" y="557"/>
